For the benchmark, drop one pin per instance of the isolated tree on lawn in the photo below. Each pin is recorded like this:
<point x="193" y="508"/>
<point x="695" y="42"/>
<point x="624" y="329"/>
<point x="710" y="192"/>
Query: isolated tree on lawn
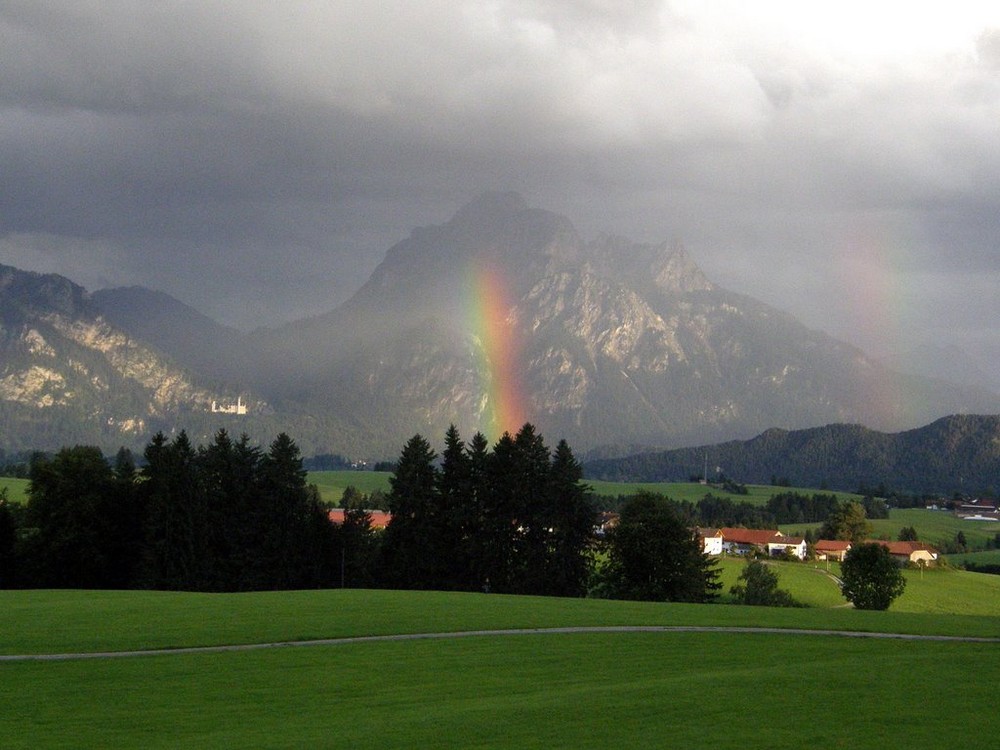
<point x="757" y="585"/>
<point x="908" y="534"/>
<point x="848" y="522"/>
<point x="871" y="577"/>
<point x="653" y="556"/>
<point x="410" y="544"/>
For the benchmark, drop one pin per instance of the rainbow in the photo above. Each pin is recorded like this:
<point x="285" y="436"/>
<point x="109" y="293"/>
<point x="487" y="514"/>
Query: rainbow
<point x="868" y="266"/>
<point x="499" y="361"/>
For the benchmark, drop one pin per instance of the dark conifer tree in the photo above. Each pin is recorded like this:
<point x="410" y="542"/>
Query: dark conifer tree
<point x="499" y="513"/>
<point x="409" y="544"/>
<point x="289" y="550"/>
<point x="478" y="532"/>
<point x="573" y="520"/>
<point x="455" y="513"/>
<point x="176" y="554"/>
<point x="533" y="511"/>
<point x="359" y="550"/>
<point x="8" y="540"/>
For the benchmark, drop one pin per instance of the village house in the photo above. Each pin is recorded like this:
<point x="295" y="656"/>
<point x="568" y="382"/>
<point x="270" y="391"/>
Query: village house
<point x="832" y="549"/>
<point x="787" y="545"/>
<point x="915" y="553"/>
<point x="711" y="540"/>
<point x="770" y="542"/>
<point x="606" y="521"/>
<point x="747" y="541"/>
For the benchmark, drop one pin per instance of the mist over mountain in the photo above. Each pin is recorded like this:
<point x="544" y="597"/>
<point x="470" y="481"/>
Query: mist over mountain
<point x="505" y="313"/>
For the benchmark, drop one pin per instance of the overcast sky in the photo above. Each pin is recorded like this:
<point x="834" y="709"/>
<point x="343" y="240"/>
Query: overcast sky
<point x="840" y="160"/>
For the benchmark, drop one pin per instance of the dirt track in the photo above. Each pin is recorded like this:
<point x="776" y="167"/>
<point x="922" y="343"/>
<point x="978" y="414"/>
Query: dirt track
<point x="491" y="633"/>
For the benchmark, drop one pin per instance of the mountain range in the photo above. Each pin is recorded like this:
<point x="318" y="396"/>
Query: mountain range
<point x="959" y="453"/>
<point x="499" y="315"/>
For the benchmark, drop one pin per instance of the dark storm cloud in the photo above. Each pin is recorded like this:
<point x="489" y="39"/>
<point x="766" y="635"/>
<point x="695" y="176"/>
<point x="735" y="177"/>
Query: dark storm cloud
<point x="257" y="159"/>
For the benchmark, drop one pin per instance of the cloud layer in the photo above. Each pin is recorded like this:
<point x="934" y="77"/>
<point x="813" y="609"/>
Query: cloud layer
<point x="257" y="159"/>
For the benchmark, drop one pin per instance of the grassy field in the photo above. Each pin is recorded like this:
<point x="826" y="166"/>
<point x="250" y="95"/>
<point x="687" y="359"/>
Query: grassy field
<point x="758" y="494"/>
<point x="726" y="690"/>
<point x="541" y="691"/>
<point x="935" y="527"/>
<point x="986" y="557"/>
<point x="17" y="489"/>
<point x="332" y="484"/>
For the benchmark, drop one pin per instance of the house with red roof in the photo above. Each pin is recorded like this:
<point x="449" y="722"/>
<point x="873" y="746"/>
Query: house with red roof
<point x="770" y="542"/>
<point x="832" y="549"/>
<point x="380" y="519"/>
<point x="747" y="541"/>
<point x="787" y="545"/>
<point x="916" y="553"/>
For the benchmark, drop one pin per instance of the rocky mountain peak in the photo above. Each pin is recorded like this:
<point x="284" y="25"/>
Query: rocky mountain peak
<point x="496" y="230"/>
<point x="23" y="291"/>
<point x="488" y="210"/>
<point x="665" y="268"/>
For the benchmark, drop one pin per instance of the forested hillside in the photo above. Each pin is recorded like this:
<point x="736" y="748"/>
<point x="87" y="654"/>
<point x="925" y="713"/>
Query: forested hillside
<point x="960" y="453"/>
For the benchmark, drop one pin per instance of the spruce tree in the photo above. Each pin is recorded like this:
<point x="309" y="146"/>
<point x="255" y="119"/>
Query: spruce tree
<point x="573" y="519"/>
<point x="409" y="544"/>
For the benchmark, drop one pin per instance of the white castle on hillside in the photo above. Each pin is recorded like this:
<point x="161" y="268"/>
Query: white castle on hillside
<point x="238" y="408"/>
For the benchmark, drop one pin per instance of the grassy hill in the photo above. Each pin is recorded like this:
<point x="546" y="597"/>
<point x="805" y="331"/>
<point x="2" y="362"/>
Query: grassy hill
<point x="642" y="689"/>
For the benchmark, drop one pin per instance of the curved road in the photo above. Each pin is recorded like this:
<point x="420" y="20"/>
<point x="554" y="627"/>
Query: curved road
<point x="478" y="633"/>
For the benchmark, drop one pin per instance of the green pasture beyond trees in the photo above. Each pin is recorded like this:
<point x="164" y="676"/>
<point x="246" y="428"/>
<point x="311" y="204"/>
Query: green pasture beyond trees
<point x="17" y="489"/>
<point x="540" y="690"/>
<point x="332" y="484"/>
<point x="933" y="526"/>
<point x="757" y="494"/>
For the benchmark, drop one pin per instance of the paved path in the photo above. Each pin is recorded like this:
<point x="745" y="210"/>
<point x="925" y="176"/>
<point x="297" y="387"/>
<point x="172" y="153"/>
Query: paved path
<point x="492" y="633"/>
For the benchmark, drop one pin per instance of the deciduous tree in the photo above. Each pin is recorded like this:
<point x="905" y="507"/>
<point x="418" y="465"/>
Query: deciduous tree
<point x="872" y="579"/>
<point x="758" y="585"/>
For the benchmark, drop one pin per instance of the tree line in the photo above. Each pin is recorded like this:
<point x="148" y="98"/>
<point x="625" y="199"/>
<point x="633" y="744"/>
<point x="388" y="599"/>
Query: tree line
<point x="513" y="518"/>
<point x="224" y="517"/>
<point x="782" y="508"/>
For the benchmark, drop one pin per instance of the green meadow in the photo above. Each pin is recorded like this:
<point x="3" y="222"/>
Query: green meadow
<point x="332" y="484"/>
<point x="572" y="690"/>
<point x="757" y="494"/>
<point x="17" y="489"/>
<point x="534" y="689"/>
<point x="935" y="527"/>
